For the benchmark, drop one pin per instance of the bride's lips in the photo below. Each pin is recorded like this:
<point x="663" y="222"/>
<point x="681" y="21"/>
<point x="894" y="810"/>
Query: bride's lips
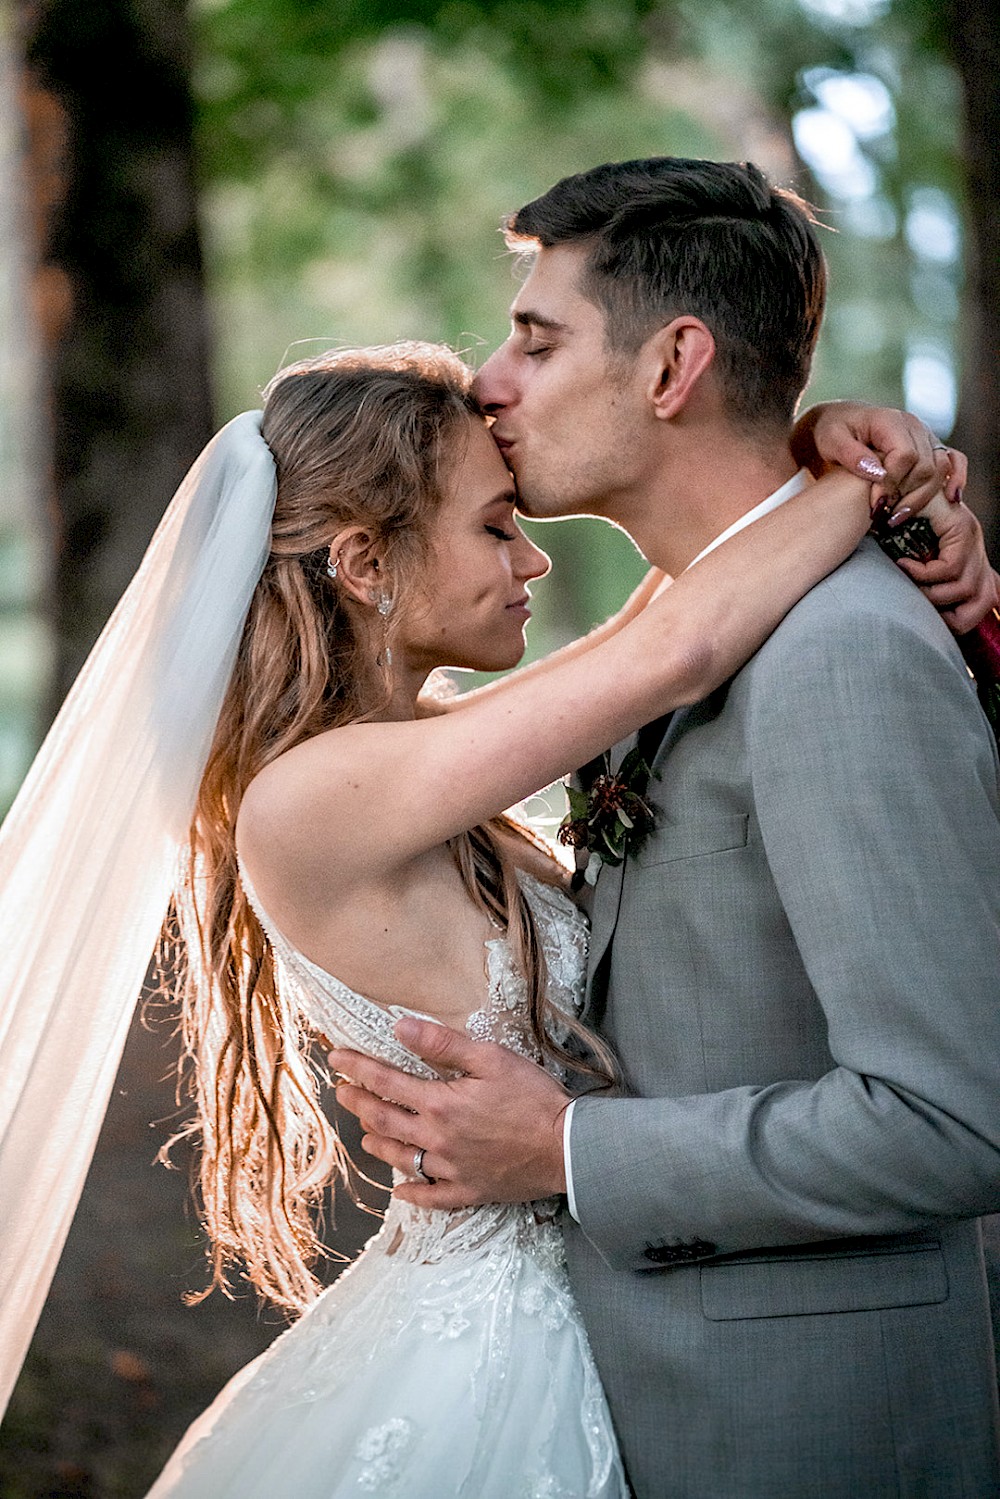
<point x="503" y="443"/>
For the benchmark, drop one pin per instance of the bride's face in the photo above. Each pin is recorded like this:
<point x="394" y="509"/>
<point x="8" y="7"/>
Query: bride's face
<point x="474" y="600"/>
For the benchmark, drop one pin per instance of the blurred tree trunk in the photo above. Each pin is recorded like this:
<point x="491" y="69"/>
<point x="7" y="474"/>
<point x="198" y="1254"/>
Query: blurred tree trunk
<point x="121" y="288"/>
<point x="973" y="28"/>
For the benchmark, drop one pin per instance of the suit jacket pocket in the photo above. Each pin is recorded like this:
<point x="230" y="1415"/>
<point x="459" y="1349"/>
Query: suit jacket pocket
<point x="804" y="1285"/>
<point x="694" y="836"/>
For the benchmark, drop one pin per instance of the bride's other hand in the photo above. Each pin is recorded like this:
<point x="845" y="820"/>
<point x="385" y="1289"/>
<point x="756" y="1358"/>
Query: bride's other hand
<point x="865" y="439"/>
<point x="921" y="474"/>
<point x="960" y="582"/>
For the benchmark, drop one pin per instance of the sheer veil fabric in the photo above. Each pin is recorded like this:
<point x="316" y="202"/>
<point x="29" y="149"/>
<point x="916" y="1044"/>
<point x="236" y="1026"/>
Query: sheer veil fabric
<point x="89" y="852"/>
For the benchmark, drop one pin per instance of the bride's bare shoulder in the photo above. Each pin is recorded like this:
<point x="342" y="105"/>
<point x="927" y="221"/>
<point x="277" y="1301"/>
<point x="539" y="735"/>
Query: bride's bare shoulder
<point x="288" y="810"/>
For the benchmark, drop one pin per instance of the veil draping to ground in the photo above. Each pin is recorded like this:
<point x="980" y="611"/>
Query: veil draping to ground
<point x="89" y="852"/>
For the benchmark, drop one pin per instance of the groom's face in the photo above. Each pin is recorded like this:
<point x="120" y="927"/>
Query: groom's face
<point x="568" y="416"/>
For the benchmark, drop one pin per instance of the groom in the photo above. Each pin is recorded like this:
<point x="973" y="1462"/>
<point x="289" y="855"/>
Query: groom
<point x="773" y="1234"/>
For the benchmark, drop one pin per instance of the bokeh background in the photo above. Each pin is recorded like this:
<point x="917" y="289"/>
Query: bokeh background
<point x="191" y="193"/>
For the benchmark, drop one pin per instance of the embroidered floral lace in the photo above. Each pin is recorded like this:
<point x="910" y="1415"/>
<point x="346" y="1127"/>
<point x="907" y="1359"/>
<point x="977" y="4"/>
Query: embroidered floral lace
<point x="449" y="1359"/>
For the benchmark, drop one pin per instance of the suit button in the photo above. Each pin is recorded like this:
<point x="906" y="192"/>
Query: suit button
<point x="679" y="1253"/>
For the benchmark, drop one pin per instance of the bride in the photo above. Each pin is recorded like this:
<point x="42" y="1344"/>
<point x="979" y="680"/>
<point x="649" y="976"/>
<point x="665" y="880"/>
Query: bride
<point x="347" y="861"/>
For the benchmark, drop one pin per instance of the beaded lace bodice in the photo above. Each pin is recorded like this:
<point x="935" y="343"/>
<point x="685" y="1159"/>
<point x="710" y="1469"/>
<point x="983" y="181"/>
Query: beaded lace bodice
<point x="347" y="1018"/>
<point x="448" y="1361"/>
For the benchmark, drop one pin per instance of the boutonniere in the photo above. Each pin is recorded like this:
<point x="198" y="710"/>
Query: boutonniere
<point x="612" y="817"/>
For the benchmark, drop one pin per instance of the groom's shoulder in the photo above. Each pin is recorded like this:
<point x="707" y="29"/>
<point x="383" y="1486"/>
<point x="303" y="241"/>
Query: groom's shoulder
<point x="865" y="632"/>
<point x="865" y="602"/>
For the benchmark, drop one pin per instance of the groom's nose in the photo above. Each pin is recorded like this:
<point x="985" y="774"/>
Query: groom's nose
<point x="489" y="385"/>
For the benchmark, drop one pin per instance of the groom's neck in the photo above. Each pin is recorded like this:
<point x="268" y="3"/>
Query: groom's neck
<point x="700" y="489"/>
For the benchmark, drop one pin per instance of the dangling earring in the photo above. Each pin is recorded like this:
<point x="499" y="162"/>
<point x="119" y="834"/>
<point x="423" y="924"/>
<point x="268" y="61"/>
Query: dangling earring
<point x="383" y="603"/>
<point x="332" y="566"/>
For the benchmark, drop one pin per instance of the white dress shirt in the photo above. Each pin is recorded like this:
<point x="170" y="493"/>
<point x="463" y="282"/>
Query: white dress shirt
<point x="794" y="485"/>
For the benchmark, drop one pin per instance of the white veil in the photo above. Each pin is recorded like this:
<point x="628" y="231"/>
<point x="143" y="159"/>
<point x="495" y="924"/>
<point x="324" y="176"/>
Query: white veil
<point x="89" y="852"/>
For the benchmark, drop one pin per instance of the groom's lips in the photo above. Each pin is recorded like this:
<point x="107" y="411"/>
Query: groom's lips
<point x="503" y="443"/>
<point x="520" y="606"/>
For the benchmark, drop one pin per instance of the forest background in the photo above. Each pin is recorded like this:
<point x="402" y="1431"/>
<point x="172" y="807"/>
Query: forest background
<point x="192" y="193"/>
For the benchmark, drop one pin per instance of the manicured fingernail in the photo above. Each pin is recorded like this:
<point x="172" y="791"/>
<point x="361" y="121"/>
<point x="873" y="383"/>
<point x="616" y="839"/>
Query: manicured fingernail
<point x="871" y="468"/>
<point x="899" y="516"/>
<point x="958" y="496"/>
<point x="407" y="1028"/>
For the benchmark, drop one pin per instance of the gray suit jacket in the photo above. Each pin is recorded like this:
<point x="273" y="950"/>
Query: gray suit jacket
<point x="778" y="1258"/>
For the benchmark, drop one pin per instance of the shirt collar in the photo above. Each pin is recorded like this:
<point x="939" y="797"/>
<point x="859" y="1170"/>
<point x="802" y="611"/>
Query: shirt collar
<point x="793" y="486"/>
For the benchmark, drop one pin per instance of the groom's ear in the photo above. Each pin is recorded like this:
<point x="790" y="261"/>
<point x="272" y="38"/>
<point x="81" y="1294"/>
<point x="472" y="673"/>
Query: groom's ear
<point x="676" y="357"/>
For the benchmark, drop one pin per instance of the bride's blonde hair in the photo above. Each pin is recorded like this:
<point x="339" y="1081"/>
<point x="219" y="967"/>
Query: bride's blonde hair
<point x="358" y="437"/>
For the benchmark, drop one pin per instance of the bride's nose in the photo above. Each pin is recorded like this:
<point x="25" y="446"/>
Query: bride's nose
<point x="530" y="561"/>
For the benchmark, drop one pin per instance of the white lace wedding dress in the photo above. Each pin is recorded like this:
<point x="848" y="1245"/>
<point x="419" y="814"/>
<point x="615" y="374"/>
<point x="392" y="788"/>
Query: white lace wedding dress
<point x="449" y="1359"/>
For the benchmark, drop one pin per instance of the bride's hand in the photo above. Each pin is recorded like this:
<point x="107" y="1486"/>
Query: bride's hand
<point x="893" y="448"/>
<point x="960" y="582"/>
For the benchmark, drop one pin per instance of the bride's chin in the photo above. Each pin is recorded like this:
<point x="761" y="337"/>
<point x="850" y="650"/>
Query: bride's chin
<point x="497" y="660"/>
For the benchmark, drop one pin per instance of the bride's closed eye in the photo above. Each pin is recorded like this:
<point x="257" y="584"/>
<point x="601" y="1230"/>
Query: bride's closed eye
<point x="501" y="534"/>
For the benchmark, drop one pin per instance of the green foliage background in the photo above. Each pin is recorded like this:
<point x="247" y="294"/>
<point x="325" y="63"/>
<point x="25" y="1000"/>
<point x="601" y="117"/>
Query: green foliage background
<point x="356" y="161"/>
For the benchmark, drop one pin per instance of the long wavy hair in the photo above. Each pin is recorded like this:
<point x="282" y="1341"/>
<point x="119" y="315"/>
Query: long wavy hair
<point x="358" y="437"/>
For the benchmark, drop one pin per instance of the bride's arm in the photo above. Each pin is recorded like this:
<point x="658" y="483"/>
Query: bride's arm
<point x="365" y="799"/>
<point x="915" y="470"/>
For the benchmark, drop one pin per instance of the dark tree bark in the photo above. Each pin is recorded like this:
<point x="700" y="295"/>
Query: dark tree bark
<point x="122" y="290"/>
<point x="973" y="29"/>
<point x="119" y="1364"/>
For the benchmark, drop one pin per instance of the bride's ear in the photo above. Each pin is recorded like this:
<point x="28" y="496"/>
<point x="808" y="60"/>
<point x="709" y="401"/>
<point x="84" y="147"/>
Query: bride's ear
<point x="354" y="565"/>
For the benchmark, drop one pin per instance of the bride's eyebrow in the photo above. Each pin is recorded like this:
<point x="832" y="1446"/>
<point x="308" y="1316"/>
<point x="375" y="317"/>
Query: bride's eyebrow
<point x="505" y="497"/>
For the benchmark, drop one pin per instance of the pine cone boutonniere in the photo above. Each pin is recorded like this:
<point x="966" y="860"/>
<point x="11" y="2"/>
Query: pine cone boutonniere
<point x="612" y="817"/>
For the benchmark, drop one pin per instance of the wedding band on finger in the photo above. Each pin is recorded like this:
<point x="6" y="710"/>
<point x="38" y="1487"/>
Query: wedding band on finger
<point x="938" y="447"/>
<point x="418" y="1168"/>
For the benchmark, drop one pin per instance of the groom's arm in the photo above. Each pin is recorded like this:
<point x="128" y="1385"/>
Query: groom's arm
<point x="876" y="789"/>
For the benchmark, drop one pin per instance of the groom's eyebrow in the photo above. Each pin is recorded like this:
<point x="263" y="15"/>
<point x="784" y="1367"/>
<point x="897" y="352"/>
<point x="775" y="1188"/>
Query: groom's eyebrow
<point x="524" y="317"/>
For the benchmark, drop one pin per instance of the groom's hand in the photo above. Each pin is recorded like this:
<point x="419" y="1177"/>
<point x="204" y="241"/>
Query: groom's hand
<point x="492" y="1134"/>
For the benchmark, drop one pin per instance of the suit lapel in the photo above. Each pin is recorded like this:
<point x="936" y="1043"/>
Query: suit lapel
<point x="606" y="902"/>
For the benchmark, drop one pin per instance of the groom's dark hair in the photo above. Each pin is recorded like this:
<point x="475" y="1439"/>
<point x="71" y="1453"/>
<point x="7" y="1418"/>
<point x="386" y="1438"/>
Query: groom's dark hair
<point x="668" y="236"/>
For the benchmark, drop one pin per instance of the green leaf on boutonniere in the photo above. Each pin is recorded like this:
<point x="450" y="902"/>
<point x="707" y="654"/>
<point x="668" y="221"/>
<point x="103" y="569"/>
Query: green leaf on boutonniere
<point x="634" y="769"/>
<point x="578" y="803"/>
<point x="610" y="819"/>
